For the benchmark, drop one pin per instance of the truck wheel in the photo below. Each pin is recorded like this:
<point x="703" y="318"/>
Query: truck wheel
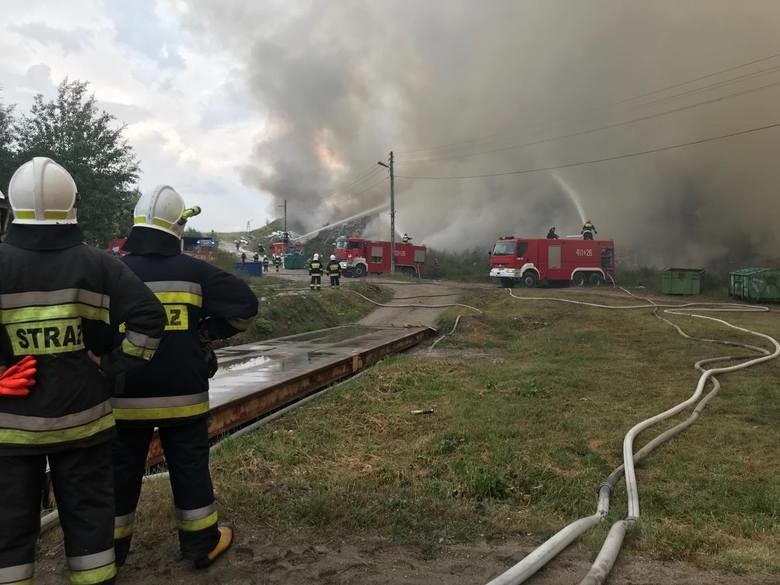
<point x="359" y="270"/>
<point x="529" y="279"/>
<point x="579" y="279"/>
<point x="507" y="282"/>
<point x="595" y="279"/>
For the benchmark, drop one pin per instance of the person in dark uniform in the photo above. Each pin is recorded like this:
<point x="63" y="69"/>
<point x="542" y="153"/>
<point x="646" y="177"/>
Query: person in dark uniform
<point x="315" y="272"/>
<point x="202" y="303"/>
<point x="277" y="262"/>
<point x="551" y="235"/>
<point x="588" y="230"/>
<point x="5" y="215"/>
<point x="334" y="270"/>
<point x="58" y="301"/>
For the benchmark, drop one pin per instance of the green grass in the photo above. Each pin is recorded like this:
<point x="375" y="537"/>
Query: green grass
<point x="530" y="409"/>
<point x="288" y="307"/>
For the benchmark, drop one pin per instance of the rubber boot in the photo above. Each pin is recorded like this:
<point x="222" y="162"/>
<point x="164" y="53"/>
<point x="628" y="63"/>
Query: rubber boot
<point x="223" y="545"/>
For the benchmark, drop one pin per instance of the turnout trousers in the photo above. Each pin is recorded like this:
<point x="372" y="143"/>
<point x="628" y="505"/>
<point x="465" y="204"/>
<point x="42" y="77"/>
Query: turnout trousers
<point x="82" y="483"/>
<point x="316" y="282"/>
<point x="186" y="447"/>
<point x="334" y="280"/>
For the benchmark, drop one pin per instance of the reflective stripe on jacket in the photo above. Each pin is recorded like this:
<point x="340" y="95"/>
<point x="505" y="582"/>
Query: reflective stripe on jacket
<point x="198" y="298"/>
<point x="58" y="300"/>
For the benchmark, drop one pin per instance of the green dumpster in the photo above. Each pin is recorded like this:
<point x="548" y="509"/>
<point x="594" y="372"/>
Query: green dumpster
<point x="294" y="261"/>
<point x="682" y="281"/>
<point x="755" y="284"/>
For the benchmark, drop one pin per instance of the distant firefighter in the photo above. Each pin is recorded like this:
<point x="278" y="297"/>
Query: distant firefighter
<point x="406" y="238"/>
<point x="588" y="230"/>
<point x="551" y="235"/>
<point x="334" y="270"/>
<point x="277" y="262"/>
<point x="315" y="271"/>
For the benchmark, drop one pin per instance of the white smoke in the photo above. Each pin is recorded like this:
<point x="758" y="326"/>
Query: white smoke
<point x="346" y="81"/>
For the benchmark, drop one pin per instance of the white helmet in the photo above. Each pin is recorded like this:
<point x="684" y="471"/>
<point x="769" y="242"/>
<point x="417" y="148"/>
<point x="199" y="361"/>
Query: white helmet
<point x="163" y="209"/>
<point x="316" y="257"/>
<point x="41" y="192"/>
<point x="332" y="256"/>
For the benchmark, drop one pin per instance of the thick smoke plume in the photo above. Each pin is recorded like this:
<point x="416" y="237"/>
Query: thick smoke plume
<point x="345" y="81"/>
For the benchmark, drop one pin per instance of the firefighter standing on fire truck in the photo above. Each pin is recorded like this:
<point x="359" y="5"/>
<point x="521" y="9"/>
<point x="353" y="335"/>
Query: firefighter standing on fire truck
<point x="334" y="270"/>
<point x="202" y="303"/>
<point x="58" y="298"/>
<point x="315" y="271"/>
<point x="588" y="230"/>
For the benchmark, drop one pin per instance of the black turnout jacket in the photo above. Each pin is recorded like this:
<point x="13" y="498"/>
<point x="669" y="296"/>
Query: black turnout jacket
<point x="201" y="301"/>
<point x="58" y="299"/>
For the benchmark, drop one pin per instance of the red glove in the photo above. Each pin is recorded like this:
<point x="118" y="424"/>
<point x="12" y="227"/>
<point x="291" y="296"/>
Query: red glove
<point x="16" y="380"/>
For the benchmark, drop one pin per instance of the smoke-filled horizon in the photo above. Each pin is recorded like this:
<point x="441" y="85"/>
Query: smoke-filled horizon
<point x="345" y="82"/>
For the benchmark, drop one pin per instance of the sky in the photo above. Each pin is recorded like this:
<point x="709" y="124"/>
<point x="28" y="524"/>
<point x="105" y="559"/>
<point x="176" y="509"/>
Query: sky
<point x="188" y="114"/>
<point x="242" y="104"/>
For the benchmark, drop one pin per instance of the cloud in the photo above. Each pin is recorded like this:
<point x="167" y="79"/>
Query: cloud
<point x="69" y="40"/>
<point x="141" y="27"/>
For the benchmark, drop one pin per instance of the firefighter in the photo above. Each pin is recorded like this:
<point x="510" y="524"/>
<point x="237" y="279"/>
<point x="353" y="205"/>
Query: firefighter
<point x="277" y="262"/>
<point x="588" y="230"/>
<point x="243" y="257"/>
<point x="58" y="300"/>
<point x="265" y="263"/>
<point x="256" y="257"/>
<point x="202" y="303"/>
<point x="5" y="214"/>
<point x="334" y="271"/>
<point x="315" y="271"/>
<point x="406" y="238"/>
<point x="551" y="235"/>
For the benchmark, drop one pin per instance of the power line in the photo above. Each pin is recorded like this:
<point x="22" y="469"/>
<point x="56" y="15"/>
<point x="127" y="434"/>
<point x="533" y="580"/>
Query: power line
<point x="595" y="160"/>
<point x="601" y="128"/>
<point x="493" y="137"/>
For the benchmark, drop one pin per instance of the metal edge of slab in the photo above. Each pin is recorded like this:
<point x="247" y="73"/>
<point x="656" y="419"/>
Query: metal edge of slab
<point x="245" y="409"/>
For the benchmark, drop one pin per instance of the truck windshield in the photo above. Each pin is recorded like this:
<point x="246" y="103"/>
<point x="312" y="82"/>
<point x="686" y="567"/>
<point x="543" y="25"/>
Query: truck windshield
<point x="341" y="243"/>
<point x="504" y="249"/>
<point x="510" y="248"/>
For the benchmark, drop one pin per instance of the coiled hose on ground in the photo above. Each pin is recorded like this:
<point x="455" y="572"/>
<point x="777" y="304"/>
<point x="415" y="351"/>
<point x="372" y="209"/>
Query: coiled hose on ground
<point x="611" y="547"/>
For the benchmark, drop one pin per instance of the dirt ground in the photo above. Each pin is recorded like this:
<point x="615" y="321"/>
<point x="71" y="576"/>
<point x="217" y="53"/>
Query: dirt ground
<point x="263" y="557"/>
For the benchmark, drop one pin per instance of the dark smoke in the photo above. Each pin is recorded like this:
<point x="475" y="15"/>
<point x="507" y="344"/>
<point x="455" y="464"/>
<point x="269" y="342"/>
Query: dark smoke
<point x="344" y="81"/>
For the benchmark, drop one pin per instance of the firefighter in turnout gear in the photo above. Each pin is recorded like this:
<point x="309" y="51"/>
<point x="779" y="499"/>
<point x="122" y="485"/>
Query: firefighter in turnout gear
<point x="334" y="270"/>
<point x="588" y="230"/>
<point x="315" y="271"/>
<point x="202" y="303"/>
<point x="277" y="262"/>
<point x="58" y="301"/>
<point x="5" y="214"/>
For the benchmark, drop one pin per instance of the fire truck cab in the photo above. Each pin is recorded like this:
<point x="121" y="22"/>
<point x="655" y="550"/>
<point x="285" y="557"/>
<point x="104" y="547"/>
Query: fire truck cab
<point x="533" y="260"/>
<point x="359" y="257"/>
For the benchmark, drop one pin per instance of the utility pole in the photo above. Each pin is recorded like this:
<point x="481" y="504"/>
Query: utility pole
<point x="392" y="210"/>
<point x="285" y="216"/>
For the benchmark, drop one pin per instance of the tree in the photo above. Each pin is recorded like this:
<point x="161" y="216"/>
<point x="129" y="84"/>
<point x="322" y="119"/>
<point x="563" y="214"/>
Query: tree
<point x="88" y="142"/>
<point x="192" y="233"/>
<point x="7" y="154"/>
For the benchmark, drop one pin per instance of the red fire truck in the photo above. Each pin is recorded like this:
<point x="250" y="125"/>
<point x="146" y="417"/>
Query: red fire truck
<point x="359" y="256"/>
<point x="534" y="260"/>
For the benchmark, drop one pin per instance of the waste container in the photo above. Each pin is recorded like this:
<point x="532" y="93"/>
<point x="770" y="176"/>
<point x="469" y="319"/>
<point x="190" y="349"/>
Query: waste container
<point x="682" y="281"/>
<point x="755" y="284"/>
<point x="250" y="268"/>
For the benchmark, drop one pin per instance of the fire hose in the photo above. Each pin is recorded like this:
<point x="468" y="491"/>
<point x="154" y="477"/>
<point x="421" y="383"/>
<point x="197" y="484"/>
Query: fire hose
<point x="611" y="547"/>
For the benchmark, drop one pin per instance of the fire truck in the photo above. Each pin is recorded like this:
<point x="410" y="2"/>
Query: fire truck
<point x="359" y="257"/>
<point x="534" y="260"/>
